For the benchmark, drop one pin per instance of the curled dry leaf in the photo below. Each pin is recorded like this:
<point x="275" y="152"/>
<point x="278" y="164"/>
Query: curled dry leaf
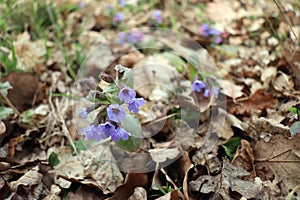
<point x="29" y="179"/>
<point x="2" y="127"/>
<point x="259" y="101"/>
<point x="230" y="89"/>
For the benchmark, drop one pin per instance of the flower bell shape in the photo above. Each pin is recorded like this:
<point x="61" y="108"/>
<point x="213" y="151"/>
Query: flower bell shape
<point x="116" y="113"/>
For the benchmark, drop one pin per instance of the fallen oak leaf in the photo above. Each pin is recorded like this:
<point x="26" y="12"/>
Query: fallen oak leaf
<point x="259" y="101"/>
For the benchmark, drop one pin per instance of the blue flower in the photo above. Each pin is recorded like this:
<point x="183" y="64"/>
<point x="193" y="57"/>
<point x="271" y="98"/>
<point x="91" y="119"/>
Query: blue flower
<point x="116" y="113"/>
<point x="216" y="91"/>
<point x="157" y="16"/>
<point x="138" y="34"/>
<point x="218" y="39"/>
<point x="214" y="31"/>
<point x="92" y="132"/>
<point x="108" y="129"/>
<point x="118" y="17"/>
<point x="121" y="37"/>
<point x="127" y="94"/>
<point x="135" y="103"/>
<point x="122" y="3"/>
<point x="204" y="30"/>
<point x="122" y="133"/>
<point x="206" y="93"/>
<point x="198" y="85"/>
<point x="82" y="112"/>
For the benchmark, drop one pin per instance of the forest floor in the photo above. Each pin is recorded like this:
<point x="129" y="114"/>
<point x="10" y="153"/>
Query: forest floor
<point x="237" y="138"/>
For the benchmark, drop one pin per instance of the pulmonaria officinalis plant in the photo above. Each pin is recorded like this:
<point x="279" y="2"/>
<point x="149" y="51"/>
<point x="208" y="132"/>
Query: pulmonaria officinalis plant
<point x="113" y="109"/>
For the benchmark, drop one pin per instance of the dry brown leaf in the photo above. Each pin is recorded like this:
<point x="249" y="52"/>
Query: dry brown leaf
<point x="230" y="89"/>
<point x="220" y="12"/>
<point x="54" y="192"/>
<point x="29" y="179"/>
<point x="154" y="74"/>
<point x="30" y="54"/>
<point x="229" y="179"/>
<point x="23" y="97"/>
<point x="138" y="194"/>
<point x="132" y="181"/>
<point x="259" y="101"/>
<point x="264" y="128"/>
<point x="283" y="83"/>
<point x="86" y="169"/>
<point x="161" y="155"/>
<point x="85" y="193"/>
<point x="244" y="157"/>
<point x="170" y="196"/>
<point x="281" y="155"/>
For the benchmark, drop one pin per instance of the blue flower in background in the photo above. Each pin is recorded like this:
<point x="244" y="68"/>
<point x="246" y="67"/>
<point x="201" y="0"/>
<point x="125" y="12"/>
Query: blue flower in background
<point x="135" y="103"/>
<point x="138" y="34"/>
<point x="121" y="38"/>
<point x="116" y="113"/>
<point x="82" y="112"/>
<point x="198" y="85"/>
<point x="118" y="17"/>
<point x="157" y="16"/>
<point x="92" y="132"/>
<point x="122" y="3"/>
<point x="214" y="31"/>
<point x="122" y="133"/>
<point x="216" y="91"/>
<point x="206" y="93"/>
<point x="218" y="39"/>
<point x="127" y="94"/>
<point x="204" y="30"/>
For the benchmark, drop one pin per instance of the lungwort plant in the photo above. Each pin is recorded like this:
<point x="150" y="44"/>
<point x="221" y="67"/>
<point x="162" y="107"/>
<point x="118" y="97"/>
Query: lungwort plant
<point x="114" y="108"/>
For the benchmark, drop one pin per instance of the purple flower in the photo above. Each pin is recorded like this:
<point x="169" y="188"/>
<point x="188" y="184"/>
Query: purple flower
<point x="131" y="38"/>
<point x="216" y="91"/>
<point x="122" y="3"/>
<point x="138" y="34"/>
<point x="122" y="133"/>
<point x="204" y="30"/>
<point x="121" y="38"/>
<point x="127" y="94"/>
<point x="118" y="17"/>
<point x="218" y="39"/>
<point x="82" y="112"/>
<point x="157" y="16"/>
<point x="206" y="93"/>
<point x="135" y="103"/>
<point x="92" y="132"/>
<point x="214" y="31"/>
<point x="116" y="113"/>
<point x="108" y="129"/>
<point x="198" y="85"/>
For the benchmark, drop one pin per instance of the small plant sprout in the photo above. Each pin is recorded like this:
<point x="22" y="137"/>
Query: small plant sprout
<point x="114" y="106"/>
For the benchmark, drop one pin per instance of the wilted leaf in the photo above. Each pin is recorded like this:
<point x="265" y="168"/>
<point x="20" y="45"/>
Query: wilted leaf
<point x="29" y="179"/>
<point x="138" y="194"/>
<point x="161" y="155"/>
<point x="230" y="89"/>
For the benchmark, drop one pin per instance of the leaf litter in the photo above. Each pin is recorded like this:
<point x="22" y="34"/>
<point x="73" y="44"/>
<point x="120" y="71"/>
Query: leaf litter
<point x="258" y="62"/>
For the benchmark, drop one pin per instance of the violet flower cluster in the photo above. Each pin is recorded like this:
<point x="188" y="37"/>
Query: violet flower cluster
<point x="133" y="37"/>
<point x="206" y="31"/>
<point x="111" y="127"/>
<point x="199" y="86"/>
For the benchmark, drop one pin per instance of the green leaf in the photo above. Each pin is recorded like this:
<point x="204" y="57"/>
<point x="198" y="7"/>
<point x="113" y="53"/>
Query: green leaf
<point x="127" y="76"/>
<point x="175" y="61"/>
<point x="293" y="110"/>
<point x="295" y="128"/>
<point x="133" y="126"/>
<point x="27" y="116"/>
<point x="231" y="146"/>
<point x="5" y="112"/>
<point x="80" y="145"/>
<point x="53" y="159"/>
<point x="4" y="87"/>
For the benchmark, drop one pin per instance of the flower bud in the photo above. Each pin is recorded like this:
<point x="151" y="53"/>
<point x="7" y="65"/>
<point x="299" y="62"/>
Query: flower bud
<point x="107" y="78"/>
